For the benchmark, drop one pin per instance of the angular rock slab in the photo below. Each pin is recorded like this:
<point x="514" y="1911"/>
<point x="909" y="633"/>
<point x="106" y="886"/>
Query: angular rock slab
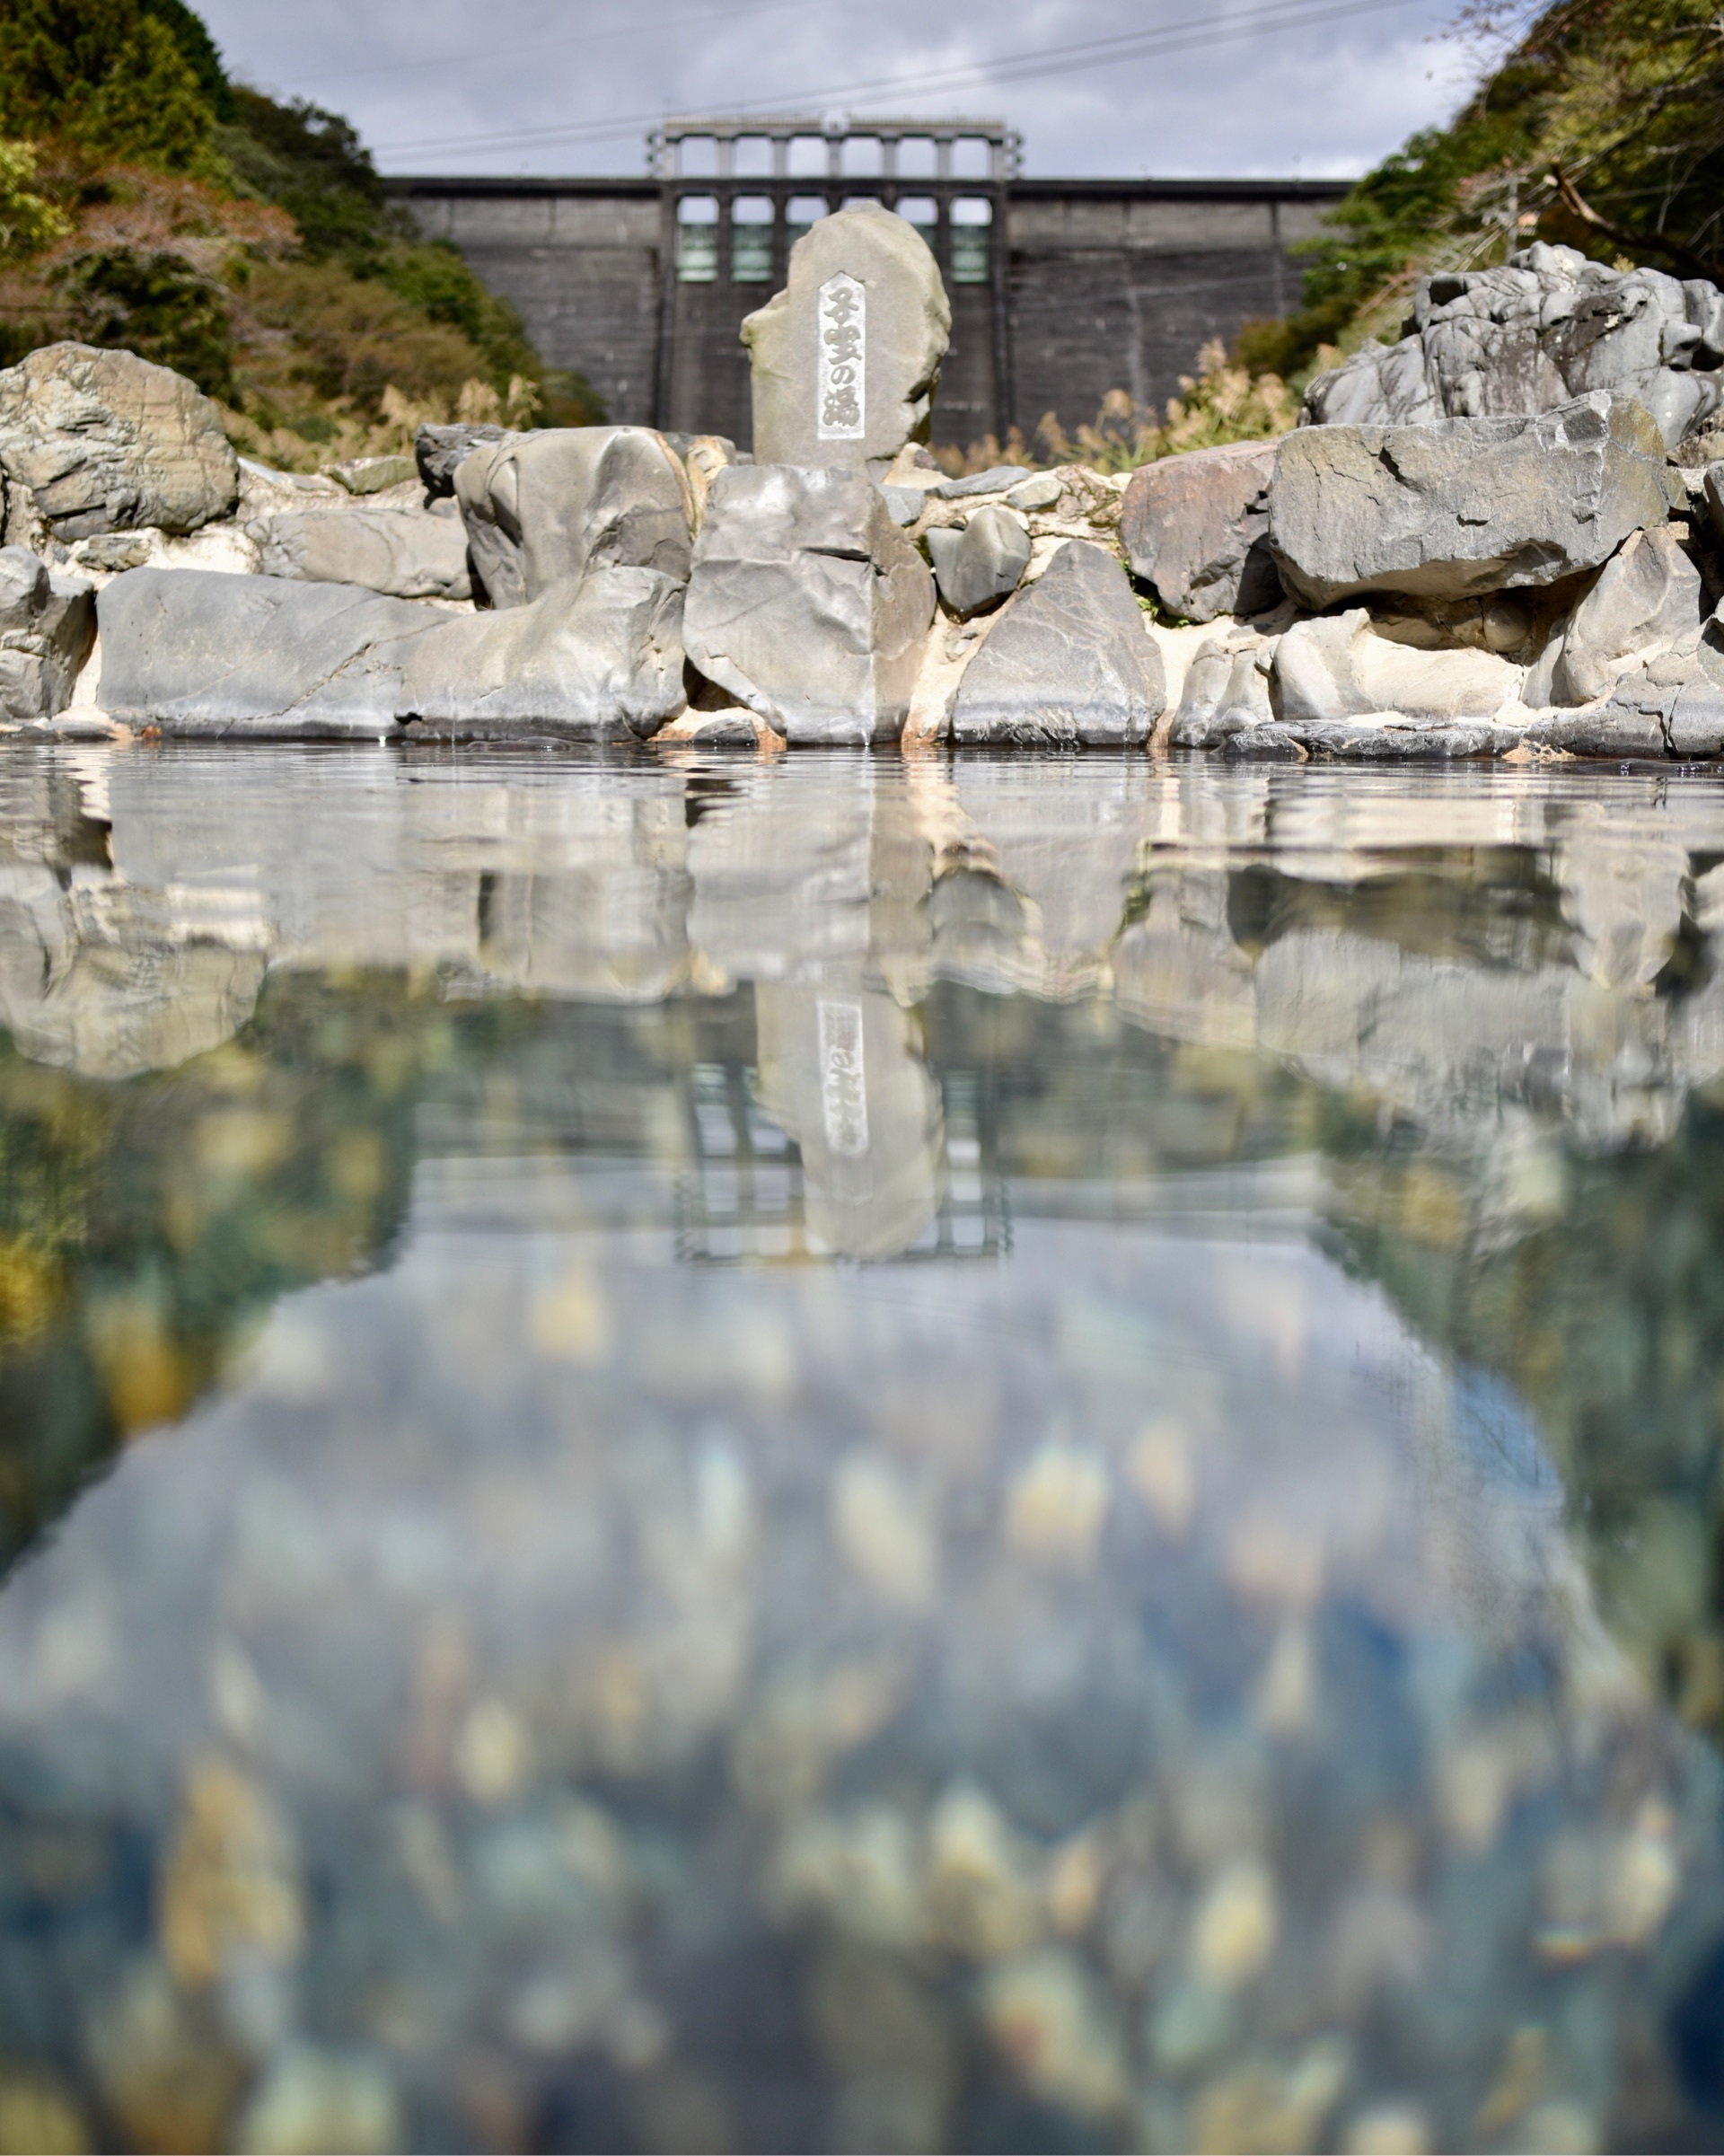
<point x="404" y="553"/>
<point x="1068" y="662"/>
<point x="48" y="623"/>
<point x="193" y="651"/>
<point x="978" y="567"/>
<point x="1463" y="506"/>
<point x="542" y="508"/>
<point x="846" y="359"/>
<point x="1338" y="668"/>
<point x="1647" y="601"/>
<point x="106" y="442"/>
<point x="1196" y="531"/>
<point x="807" y="603"/>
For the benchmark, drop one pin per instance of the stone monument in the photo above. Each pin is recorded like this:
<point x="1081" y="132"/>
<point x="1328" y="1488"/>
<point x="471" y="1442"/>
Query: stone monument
<point x="845" y="359"/>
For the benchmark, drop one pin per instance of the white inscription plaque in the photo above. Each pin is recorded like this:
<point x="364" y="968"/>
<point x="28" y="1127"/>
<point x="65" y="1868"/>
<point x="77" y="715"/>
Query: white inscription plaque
<point x="843" y="1084"/>
<point x="841" y="390"/>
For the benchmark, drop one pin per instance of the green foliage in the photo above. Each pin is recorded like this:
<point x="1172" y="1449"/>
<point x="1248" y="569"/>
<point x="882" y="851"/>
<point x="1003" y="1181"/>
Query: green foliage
<point x="29" y="222"/>
<point x="137" y="80"/>
<point x="313" y="164"/>
<point x="157" y="304"/>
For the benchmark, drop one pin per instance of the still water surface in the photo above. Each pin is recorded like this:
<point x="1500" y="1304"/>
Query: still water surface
<point x="998" y="1454"/>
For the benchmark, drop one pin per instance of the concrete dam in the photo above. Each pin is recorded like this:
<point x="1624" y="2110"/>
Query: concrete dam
<point x="1061" y="289"/>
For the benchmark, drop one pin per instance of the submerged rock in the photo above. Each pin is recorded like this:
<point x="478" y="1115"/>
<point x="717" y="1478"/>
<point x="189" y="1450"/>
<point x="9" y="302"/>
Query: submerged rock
<point x="808" y="603"/>
<point x="1463" y="506"/>
<point x="1068" y="661"/>
<point x="105" y="441"/>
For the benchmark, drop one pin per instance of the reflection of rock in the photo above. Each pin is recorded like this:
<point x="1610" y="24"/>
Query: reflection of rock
<point x="840" y="1069"/>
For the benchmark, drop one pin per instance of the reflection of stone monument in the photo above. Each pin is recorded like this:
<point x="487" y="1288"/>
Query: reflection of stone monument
<point x="840" y="1070"/>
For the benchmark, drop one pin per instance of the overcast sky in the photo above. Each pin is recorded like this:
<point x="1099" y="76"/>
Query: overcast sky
<point x="1252" y="87"/>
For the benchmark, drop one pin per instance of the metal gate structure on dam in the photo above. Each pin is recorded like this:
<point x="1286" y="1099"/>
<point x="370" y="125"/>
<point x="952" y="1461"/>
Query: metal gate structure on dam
<point x="1061" y="289"/>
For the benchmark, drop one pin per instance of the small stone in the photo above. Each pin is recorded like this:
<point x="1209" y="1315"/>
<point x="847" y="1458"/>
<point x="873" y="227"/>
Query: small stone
<point x="1233" y="1932"/>
<point x="372" y="475"/>
<point x="980" y="1885"/>
<point x="168" y="2072"/>
<point x="884" y="1532"/>
<point x="438" y="452"/>
<point x="1039" y="492"/>
<point x="1162" y="1472"/>
<point x="323" y="2103"/>
<point x="1388" y="2130"/>
<point x="492" y="1755"/>
<point x="1056" y="2028"/>
<point x="845" y="360"/>
<point x="230" y="1888"/>
<point x="1058" y="1505"/>
<point x="978" y="567"/>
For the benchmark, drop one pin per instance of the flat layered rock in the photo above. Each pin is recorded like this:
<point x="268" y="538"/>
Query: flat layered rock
<point x="1195" y="529"/>
<point x="195" y="653"/>
<point x="539" y="508"/>
<point x="407" y="554"/>
<point x="1068" y="662"/>
<point x="1463" y="506"/>
<point x="807" y="603"/>
<point x="106" y="442"/>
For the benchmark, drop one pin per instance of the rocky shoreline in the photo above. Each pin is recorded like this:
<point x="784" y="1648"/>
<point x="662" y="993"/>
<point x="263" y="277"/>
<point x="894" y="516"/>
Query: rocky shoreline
<point x="1498" y="538"/>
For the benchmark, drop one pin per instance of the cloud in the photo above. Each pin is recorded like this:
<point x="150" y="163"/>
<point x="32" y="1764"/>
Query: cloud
<point x="521" y="85"/>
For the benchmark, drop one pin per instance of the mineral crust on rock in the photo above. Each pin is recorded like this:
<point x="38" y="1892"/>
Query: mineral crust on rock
<point x="1195" y="529"/>
<point x="542" y="507"/>
<point x="105" y="441"/>
<point x="1068" y="662"/>
<point x="807" y="603"/>
<point x="1462" y="506"/>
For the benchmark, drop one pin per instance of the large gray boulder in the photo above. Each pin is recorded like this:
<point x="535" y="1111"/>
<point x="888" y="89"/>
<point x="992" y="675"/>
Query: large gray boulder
<point x="981" y="564"/>
<point x="807" y="603"/>
<point x="1068" y="662"/>
<point x="542" y="507"/>
<point x="1195" y="529"/>
<point x="106" y="442"/>
<point x="409" y="554"/>
<point x="1529" y="334"/>
<point x="192" y="651"/>
<point x="48" y="622"/>
<point x="1463" y="506"/>
<point x="1339" y="666"/>
<point x="1647" y="601"/>
<point x="845" y="359"/>
<point x="596" y="657"/>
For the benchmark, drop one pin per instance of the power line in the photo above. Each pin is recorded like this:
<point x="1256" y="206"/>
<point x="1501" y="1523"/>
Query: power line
<point x="594" y="37"/>
<point x="1258" y="22"/>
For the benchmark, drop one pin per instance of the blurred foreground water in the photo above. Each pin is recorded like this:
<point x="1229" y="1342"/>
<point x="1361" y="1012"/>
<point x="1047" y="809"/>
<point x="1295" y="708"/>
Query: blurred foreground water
<point x="998" y="1454"/>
